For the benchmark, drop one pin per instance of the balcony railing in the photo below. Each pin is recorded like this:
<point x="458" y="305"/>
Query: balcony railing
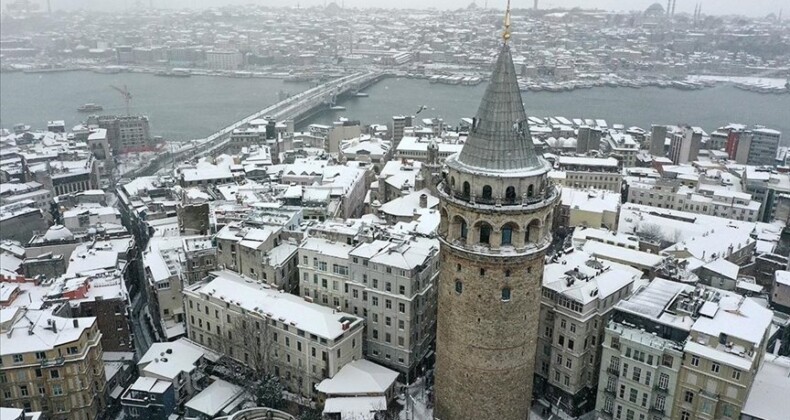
<point x="661" y="388"/>
<point x="610" y="391"/>
<point x="613" y="370"/>
<point x="656" y="411"/>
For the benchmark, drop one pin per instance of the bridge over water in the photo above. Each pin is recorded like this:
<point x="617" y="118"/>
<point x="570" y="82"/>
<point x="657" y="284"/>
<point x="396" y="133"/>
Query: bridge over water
<point x="295" y="108"/>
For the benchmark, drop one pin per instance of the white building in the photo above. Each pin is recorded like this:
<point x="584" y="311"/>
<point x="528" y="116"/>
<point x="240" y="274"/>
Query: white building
<point x="224" y="60"/>
<point x="265" y="329"/>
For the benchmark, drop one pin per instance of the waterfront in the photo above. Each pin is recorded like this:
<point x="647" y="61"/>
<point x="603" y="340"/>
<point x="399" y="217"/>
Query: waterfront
<point x="708" y="108"/>
<point x="193" y="107"/>
<point x="178" y="108"/>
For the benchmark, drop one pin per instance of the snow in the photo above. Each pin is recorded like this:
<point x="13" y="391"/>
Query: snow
<point x="711" y="353"/>
<point x="622" y="255"/>
<point x="595" y="201"/>
<point x="768" y="397"/>
<point x="327" y="247"/>
<point x="782" y="277"/>
<point x="723" y="267"/>
<point x="652" y="300"/>
<point x="214" y="398"/>
<point x="406" y="205"/>
<point x="359" y="377"/>
<point x="587" y="161"/>
<point x="737" y="317"/>
<point x="603" y="277"/>
<point x="43" y="338"/>
<point x="168" y="360"/>
<point x="255" y="297"/>
<point x="355" y="408"/>
<point x="406" y="255"/>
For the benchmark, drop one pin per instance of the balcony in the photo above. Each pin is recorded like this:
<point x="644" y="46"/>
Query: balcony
<point x="661" y="388"/>
<point x="606" y="413"/>
<point x="613" y="370"/>
<point x="610" y="391"/>
<point x="653" y="410"/>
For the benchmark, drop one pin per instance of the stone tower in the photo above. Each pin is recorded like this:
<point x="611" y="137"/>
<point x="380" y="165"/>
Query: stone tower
<point x="496" y="211"/>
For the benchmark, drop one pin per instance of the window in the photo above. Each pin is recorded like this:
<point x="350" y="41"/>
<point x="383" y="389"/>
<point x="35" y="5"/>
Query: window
<point x="694" y="361"/>
<point x="663" y="381"/>
<point x="459" y="287"/>
<point x="684" y="415"/>
<point x="729" y="410"/>
<point x="402" y="308"/>
<point x="633" y="395"/>
<point x="487" y="192"/>
<point x="507" y="235"/>
<point x="506" y="297"/>
<point x="510" y="195"/>
<point x="485" y="233"/>
<point x="666" y="360"/>
<point x="57" y="389"/>
<point x="17" y="358"/>
<point x="54" y="374"/>
<point x="23" y="391"/>
<point x="374" y="300"/>
<point x="467" y="190"/>
<point x="622" y="391"/>
<point x="636" y="374"/>
<point x="715" y="367"/>
<point x="688" y="397"/>
<point x="736" y="374"/>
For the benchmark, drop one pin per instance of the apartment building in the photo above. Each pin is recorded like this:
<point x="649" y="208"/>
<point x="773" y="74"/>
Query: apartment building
<point x="258" y="252"/>
<point x="642" y="352"/>
<point x="269" y="330"/>
<point x="672" y="194"/>
<point x="588" y="172"/>
<point x="621" y="146"/>
<point x="392" y="283"/>
<point x="578" y="294"/>
<point x="51" y="364"/>
<point x="758" y="147"/>
<point x="722" y="355"/>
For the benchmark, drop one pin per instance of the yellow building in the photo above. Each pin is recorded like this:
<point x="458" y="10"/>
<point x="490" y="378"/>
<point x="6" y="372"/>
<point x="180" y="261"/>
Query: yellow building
<point x="51" y="364"/>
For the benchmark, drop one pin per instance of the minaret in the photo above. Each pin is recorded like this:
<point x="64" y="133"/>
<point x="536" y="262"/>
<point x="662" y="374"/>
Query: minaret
<point x="496" y="208"/>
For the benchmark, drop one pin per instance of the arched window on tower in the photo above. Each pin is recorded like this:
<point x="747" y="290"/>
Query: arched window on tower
<point x="485" y="233"/>
<point x="532" y="233"/>
<point x="507" y="235"/>
<point x="510" y="195"/>
<point x="467" y="189"/>
<point x="530" y="190"/>
<point x="487" y="192"/>
<point x="463" y="230"/>
<point x="459" y="287"/>
<point x="505" y="294"/>
<point x="452" y="181"/>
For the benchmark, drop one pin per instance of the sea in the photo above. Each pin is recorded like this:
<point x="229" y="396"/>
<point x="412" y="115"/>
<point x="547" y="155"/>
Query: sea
<point x="194" y="107"/>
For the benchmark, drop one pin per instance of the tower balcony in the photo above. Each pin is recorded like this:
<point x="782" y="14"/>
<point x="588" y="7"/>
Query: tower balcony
<point x="502" y="204"/>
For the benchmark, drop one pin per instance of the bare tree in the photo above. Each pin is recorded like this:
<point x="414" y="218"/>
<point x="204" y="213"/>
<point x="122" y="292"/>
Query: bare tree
<point x="650" y="232"/>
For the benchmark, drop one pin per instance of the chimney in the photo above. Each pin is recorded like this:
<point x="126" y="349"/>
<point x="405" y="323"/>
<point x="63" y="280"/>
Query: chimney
<point x="423" y="201"/>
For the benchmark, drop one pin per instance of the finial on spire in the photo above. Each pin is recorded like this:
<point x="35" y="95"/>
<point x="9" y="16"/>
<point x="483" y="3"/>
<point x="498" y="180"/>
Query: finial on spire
<point x="506" y="33"/>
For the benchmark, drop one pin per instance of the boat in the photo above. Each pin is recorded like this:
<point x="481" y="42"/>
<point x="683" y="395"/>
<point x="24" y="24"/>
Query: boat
<point x="361" y="95"/>
<point x="337" y="108"/>
<point x="90" y="107"/>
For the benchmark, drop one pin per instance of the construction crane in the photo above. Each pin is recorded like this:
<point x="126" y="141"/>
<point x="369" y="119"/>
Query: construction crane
<point x="127" y="96"/>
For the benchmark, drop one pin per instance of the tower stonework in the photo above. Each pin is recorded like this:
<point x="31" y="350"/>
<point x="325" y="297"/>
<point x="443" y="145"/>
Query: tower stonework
<point x="496" y="211"/>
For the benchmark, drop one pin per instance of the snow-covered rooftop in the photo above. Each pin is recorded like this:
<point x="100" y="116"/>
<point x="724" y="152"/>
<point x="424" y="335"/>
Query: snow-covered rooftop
<point x="259" y="298"/>
<point x="359" y="377"/>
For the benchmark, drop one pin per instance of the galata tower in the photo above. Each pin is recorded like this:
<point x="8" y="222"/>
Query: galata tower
<point x="496" y="211"/>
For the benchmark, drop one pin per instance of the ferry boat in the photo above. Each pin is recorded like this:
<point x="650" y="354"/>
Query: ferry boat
<point x="361" y="95"/>
<point x="337" y="108"/>
<point x="90" y="107"/>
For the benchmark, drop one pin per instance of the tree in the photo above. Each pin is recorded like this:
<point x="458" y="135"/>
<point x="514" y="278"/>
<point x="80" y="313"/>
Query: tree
<point x="650" y="233"/>
<point x="270" y="392"/>
<point x="310" y="414"/>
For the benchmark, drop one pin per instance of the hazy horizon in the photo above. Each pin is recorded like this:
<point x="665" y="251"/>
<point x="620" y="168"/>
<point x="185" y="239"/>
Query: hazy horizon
<point x="754" y="8"/>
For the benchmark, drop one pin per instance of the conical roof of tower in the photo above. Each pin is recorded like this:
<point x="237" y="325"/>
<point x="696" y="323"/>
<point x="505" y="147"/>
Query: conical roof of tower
<point x="499" y="139"/>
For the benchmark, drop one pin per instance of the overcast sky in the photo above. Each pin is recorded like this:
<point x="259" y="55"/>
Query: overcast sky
<point x="744" y="7"/>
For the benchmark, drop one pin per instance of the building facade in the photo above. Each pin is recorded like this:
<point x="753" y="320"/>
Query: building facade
<point x="496" y="211"/>
<point x="52" y="364"/>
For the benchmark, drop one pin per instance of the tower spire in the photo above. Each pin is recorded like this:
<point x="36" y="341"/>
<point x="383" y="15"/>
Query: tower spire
<point x="506" y="32"/>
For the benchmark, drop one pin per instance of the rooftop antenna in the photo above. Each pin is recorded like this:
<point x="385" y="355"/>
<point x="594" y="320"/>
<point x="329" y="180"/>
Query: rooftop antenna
<point x="506" y="32"/>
